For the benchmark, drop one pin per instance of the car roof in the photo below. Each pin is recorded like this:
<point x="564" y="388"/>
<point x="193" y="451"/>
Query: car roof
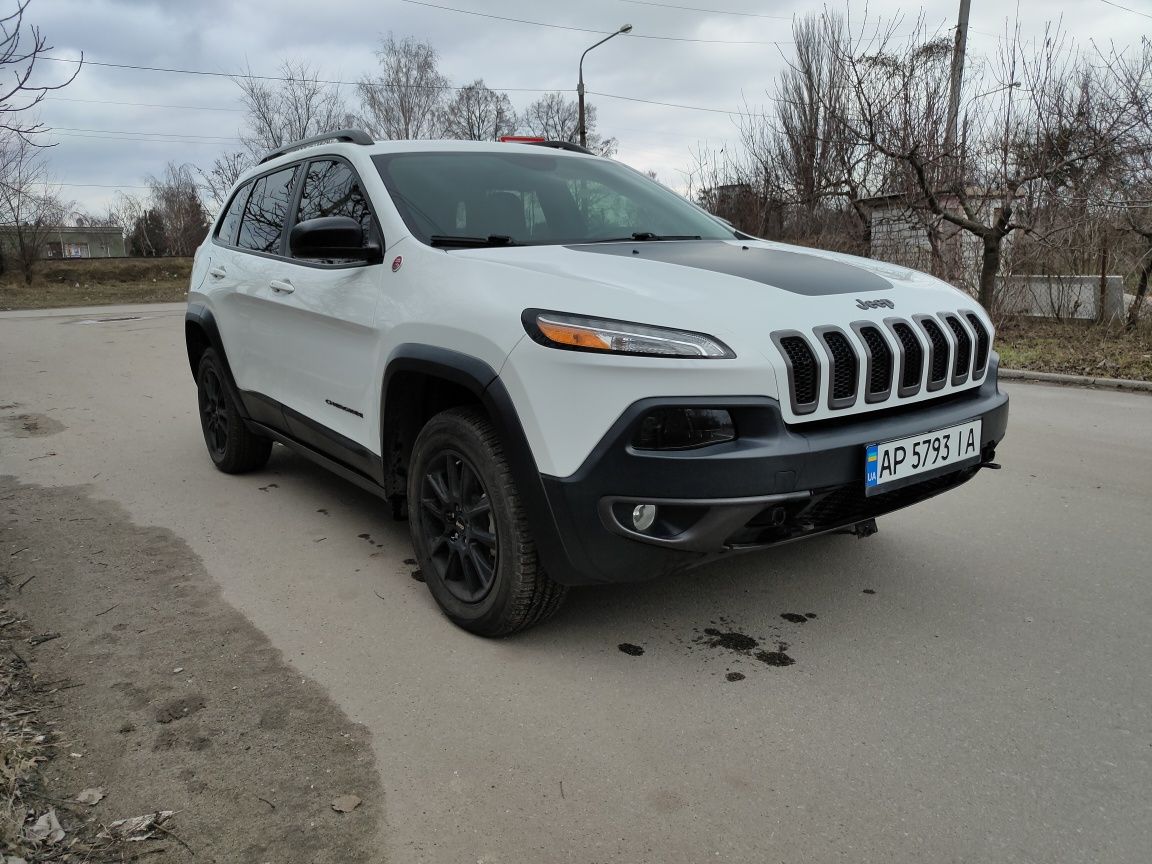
<point x="345" y="148"/>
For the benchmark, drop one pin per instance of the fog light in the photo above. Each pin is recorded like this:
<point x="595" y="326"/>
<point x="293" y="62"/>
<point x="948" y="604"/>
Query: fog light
<point x="684" y="428"/>
<point x="643" y="515"/>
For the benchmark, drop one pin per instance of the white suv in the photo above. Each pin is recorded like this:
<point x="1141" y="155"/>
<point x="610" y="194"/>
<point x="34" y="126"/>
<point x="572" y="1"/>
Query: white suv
<point x="565" y="373"/>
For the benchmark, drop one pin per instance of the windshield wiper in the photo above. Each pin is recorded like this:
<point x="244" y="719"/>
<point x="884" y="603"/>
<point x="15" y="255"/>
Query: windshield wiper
<point x="465" y="242"/>
<point x="647" y="236"/>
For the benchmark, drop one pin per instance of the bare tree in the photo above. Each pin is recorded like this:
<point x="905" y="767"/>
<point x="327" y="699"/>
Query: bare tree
<point x="175" y="199"/>
<point x="30" y="207"/>
<point x="279" y="112"/>
<point x="222" y="176"/>
<point x="21" y="45"/>
<point x="1039" y="114"/>
<point x="557" y="118"/>
<point x="477" y="113"/>
<point x="404" y="99"/>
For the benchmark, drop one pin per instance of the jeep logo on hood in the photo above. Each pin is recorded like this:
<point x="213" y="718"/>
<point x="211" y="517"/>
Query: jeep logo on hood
<point x="875" y="304"/>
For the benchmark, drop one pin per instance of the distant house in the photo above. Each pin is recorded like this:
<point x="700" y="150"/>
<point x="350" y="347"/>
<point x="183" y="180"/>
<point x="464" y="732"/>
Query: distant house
<point x="72" y="242"/>
<point x="899" y="234"/>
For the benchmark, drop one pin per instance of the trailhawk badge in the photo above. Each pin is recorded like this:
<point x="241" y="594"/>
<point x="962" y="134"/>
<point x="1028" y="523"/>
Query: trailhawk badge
<point x="875" y="304"/>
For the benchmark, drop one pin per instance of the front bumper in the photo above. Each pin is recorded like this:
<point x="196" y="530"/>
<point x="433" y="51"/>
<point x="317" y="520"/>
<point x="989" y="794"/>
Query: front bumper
<point x="774" y="484"/>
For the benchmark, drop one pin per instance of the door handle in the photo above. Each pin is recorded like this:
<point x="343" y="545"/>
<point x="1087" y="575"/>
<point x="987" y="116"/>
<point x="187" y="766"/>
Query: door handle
<point x="217" y="272"/>
<point x="281" y="286"/>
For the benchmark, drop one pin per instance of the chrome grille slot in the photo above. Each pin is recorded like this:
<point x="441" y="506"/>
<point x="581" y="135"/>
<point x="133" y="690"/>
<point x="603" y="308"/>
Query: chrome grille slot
<point x="844" y="368"/>
<point x="938" y="357"/>
<point x="911" y="359"/>
<point x="803" y="371"/>
<point x="963" y="350"/>
<point x="982" y="345"/>
<point x="880" y="365"/>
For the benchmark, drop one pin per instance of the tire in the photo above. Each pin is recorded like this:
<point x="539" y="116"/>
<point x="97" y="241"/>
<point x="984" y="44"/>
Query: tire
<point x="469" y="530"/>
<point x="234" y="448"/>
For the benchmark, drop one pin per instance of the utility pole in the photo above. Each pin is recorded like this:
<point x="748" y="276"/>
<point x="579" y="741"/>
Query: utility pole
<point x="958" y="50"/>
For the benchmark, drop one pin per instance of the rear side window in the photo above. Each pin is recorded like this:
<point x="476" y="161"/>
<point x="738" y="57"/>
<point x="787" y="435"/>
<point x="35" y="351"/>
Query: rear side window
<point x="331" y="188"/>
<point x="227" y="231"/>
<point x="263" y="224"/>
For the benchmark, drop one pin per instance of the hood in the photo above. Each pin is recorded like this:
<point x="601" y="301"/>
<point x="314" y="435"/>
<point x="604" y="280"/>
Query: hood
<point x="719" y="286"/>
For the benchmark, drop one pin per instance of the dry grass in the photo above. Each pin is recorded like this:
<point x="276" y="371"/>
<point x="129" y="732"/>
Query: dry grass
<point x="1076" y="348"/>
<point x="28" y="740"/>
<point x="97" y="282"/>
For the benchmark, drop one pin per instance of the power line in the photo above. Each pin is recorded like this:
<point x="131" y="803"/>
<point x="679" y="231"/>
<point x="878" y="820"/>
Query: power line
<point x="710" y="11"/>
<point x="676" y="105"/>
<point x="1126" y="9"/>
<point x="139" y="132"/>
<point x="250" y="77"/>
<point x="140" y="104"/>
<point x="632" y="35"/>
<point x="127" y="138"/>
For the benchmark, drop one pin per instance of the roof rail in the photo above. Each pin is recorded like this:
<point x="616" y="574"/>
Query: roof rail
<point x="562" y="145"/>
<point x="352" y="136"/>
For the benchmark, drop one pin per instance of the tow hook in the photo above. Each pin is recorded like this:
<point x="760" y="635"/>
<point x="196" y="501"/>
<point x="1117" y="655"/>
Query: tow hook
<point x="861" y="529"/>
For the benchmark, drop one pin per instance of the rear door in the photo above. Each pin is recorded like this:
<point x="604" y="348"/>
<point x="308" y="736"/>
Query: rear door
<point x="320" y="315"/>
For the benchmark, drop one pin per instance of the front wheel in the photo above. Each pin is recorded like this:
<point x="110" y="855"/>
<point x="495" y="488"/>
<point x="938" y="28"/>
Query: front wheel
<point x="469" y="530"/>
<point x="233" y="447"/>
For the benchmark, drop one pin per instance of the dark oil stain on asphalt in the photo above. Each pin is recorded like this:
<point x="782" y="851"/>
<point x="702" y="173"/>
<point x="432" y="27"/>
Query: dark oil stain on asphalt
<point x="418" y="575"/>
<point x="630" y="649"/>
<point x="777" y="657"/>
<point x="323" y="511"/>
<point x="734" y="676"/>
<point x="809" y="614"/>
<point x="269" y="486"/>
<point x="733" y="641"/>
<point x="868" y="591"/>
<point x="410" y="561"/>
<point x="794" y="617"/>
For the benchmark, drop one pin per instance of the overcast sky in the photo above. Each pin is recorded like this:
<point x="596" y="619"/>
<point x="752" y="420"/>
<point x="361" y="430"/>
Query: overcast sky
<point x="338" y="36"/>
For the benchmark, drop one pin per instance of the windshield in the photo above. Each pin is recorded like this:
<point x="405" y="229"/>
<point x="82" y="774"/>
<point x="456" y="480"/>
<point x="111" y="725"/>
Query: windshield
<point x="535" y="199"/>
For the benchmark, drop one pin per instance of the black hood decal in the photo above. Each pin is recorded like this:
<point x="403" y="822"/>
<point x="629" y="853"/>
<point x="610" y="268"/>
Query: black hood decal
<point x="811" y="275"/>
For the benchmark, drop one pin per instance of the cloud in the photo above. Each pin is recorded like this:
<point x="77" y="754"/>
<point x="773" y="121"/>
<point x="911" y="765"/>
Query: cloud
<point x="338" y="37"/>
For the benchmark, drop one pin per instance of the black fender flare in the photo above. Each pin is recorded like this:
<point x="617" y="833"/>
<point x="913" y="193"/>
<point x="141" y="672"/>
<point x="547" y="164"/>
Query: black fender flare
<point x="200" y="317"/>
<point x="484" y="383"/>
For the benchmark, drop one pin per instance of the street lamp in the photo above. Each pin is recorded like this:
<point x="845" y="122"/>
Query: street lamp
<point x="627" y="28"/>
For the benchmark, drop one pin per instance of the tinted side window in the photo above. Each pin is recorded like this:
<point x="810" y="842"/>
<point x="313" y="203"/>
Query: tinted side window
<point x="263" y="224"/>
<point x="333" y="189"/>
<point x="227" y="230"/>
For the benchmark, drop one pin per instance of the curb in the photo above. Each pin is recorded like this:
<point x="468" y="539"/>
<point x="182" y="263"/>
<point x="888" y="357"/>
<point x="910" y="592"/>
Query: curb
<point x="1076" y="380"/>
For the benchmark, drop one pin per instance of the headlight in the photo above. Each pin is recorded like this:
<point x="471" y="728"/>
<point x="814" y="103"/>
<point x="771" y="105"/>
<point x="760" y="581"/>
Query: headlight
<point x="577" y="333"/>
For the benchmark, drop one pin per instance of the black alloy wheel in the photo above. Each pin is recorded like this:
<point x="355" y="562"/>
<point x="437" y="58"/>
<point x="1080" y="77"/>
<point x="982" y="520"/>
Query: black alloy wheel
<point x="459" y="528"/>
<point x="234" y="448"/>
<point x="214" y="414"/>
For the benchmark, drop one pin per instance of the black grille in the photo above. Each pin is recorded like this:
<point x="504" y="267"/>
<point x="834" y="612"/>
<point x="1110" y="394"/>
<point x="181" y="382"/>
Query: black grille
<point x="939" y="368"/>
<point x="845" y="365"/>
<point x="880" y="377"/>
<point x="981" y="345"/>
<point x="963" y="347"/>
<point x="913" y="365"/>
<point x="805" y="372"/>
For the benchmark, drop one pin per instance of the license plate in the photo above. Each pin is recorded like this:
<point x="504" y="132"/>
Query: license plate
<point x="889" y="463"/>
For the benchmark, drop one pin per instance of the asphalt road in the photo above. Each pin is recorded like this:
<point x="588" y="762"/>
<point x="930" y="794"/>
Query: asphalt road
<point x="991" y="701"/>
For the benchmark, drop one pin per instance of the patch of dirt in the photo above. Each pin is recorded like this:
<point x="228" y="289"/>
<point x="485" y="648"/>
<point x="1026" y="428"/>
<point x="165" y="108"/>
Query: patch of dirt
<point x="630" y="649"/>
<point x="248" y="753"/>
<point x="731" y="641"/>
<point x="32" y="425"/>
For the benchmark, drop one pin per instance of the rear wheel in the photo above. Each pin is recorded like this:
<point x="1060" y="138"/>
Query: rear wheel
<point x="233" y="447"/>
<point x="469" y="530"/>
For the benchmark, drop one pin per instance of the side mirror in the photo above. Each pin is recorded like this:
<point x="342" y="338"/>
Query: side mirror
<point x="332" y="237"/>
